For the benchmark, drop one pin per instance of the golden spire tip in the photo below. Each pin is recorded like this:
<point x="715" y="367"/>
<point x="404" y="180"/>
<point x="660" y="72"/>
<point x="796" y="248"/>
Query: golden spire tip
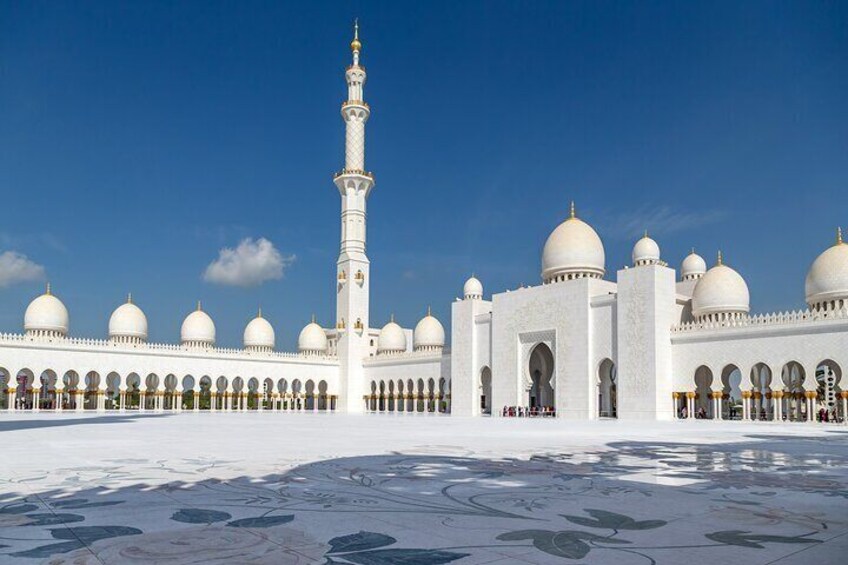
<point x="259" y="314"/>
<point x="129" y="298"/>
<point x="47" y="292"/>
<point x="839" y="235"/>
<point x="429" y="312"/>
<point x="719" y="261"/>
<point x="392" y="317"/>
<point x="199" y="307"/>
<point x="572" y="213"/>
<point x="313" y="318"/>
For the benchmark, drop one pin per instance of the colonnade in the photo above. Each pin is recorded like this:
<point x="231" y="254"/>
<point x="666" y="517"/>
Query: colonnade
<point x="777" y="406"/>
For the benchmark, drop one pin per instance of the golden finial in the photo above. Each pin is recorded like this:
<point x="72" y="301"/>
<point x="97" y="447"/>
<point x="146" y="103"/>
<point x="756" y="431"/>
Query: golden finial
<point x="47" y="292"/>
<point x="129" y="298"/>
<point x="718" y="261"/>
<point x="259" y="314"/>
<point x="313" y="318"/>
<point x="355" y="45"/>
<point x="429" y="311"/>
<point x="572" y="213"/>
<point x="392" y="318"/>
<point x="199" y="307"/>
<point x="646" y="235"/>
<point x="839" y="235"/>
<point x="692" y="251"/>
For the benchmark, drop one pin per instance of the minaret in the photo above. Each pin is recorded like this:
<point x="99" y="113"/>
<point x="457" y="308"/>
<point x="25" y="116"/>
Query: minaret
<point x="353" y="276"/>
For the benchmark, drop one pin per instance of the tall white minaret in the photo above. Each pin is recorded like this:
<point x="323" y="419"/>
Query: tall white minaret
<point x="353" y="272"/>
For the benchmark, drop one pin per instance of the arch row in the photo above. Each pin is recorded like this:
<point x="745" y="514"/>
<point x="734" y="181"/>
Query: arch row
<point x="71" y="390"/>
<point x="408" y="395"/>
<point x="785" y="391"/>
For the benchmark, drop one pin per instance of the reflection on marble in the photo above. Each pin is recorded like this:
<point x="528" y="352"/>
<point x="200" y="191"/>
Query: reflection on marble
<point x="315" y="490"/>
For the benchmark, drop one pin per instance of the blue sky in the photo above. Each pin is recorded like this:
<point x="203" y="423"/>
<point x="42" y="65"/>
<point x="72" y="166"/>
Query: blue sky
<point x="139" y="139"/>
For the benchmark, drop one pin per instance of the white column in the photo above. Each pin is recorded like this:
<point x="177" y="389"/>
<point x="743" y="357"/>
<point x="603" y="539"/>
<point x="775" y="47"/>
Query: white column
<point x="845" y="410"/>
<point x="36" y="398"/>
<point x="59" y="397"/>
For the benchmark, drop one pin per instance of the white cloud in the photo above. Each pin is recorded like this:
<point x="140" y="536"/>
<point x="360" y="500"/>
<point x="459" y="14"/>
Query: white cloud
<point x="661" y="220"/>
<point x="252" y="263"/>
<point x="16" y="268"/>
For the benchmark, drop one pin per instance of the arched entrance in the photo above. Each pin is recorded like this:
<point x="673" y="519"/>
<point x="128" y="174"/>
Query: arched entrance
<point x="541" y="369"/>
<point x="828" y="377"/>
<point x="486" y="391"/>
<point x="607" y="390"/>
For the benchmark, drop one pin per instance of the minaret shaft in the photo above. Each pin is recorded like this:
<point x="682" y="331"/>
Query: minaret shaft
<point x="353" y="268"/>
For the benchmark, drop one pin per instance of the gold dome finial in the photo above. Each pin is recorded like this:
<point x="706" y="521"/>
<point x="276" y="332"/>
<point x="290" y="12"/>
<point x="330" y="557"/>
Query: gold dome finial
<point x="356" y="45"/>
<point x="47" y="292"/>
<point x="429" y="312"/>
<point x="572" y="213"/>
<point x="313" y="318"/>
<point x="692" y="251"/>
<point x="199" y="307"/>
<point x="839" y="235"/>
<point x="259" y="314"/>
<point x="392" y="318"/>
<point x="129" y="298"/>
<point x="718" y="260"/>
<point x="646" y="235"/>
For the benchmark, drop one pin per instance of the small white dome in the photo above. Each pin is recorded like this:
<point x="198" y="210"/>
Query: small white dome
<point x="827" y="279"/>
<point x="693" y="267"/>
<point x="429" y="333"/>
<point x="128" y="322"/>
<point x="46" y="314"/>
<point x="259" y="334"/>
<point x="720" y="291"/>
<point x="646" y="251"/>
<point x="198" y="328"/>
<point x="473" y="289"/>
<point x="573" y="250"/>
<point x="312" y="339"/>
<point x="392" y="338"/>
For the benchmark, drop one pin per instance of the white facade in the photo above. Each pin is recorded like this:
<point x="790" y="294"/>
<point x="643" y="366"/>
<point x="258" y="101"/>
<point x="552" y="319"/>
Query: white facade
<point x="650" y="345"/>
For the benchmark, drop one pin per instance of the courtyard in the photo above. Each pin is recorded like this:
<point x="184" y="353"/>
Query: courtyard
<point x="417" y="489"/>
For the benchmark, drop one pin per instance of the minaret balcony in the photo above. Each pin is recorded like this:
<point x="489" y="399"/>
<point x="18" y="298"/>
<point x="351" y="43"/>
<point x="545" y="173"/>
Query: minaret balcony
<point x="355" y="103"/>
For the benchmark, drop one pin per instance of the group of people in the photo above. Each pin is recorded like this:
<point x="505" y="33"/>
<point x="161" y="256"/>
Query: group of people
<point x="528" y="411"/>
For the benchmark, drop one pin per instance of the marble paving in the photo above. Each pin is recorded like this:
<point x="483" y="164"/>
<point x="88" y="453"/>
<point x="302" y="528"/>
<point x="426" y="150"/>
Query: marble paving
<point x="279" y="488"/>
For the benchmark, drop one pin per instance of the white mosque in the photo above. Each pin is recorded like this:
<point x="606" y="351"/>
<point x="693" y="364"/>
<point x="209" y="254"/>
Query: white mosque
<point x="653" y="344"/>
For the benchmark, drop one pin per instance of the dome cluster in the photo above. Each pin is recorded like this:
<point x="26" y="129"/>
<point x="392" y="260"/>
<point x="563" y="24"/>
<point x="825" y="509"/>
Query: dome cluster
<point x="46" y="317"/>
<point x="429" y="335"/>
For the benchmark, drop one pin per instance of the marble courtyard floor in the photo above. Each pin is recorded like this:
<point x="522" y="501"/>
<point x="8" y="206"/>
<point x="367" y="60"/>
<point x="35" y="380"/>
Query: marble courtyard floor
<point x="417" y="489"/>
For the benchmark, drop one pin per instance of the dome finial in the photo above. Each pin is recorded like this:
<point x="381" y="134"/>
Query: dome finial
<point x="692" y="251"/>
<point x="259" y="314"/>
<point x="572" y="213"/>
<point x="356" y="45"/>
<point x="199" y="307"/>
<point x="429" y="312"/>
<point x="718" y="260"/>
<point x="129" y="298"/>
<point x="392" y="317"/>
<point x="47" y="292"/>
<point x="313" y="318"/>
<point x="839" y="235"/>
<point x="646" y="234"/>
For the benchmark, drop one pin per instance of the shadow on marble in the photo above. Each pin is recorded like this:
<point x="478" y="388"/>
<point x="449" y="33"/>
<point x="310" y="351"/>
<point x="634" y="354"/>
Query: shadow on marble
<point x="26" y="424"/>
<point x="648" y="502"/>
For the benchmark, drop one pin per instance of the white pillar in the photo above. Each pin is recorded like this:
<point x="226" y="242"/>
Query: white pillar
<point x="59" y="397"/>
<point x="36" y="398"/>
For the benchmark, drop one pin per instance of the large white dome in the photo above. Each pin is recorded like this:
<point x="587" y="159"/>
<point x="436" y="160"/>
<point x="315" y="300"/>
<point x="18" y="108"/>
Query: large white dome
<point x="646" y="251"/>
<point x="827" y="279"/>
<point x="198" y="328"/>
<point x="473" y="289"/>
<point x="128" y="322"/>
<point x="693" y="267"/>
<point x="721" y="291"/>
<point x="573" y="250"/>
<point x="46" y="315"/>
<point x="429" y="334"/>
<point x="312" y="339"/>
<point x="259" y="334"/>
<point x="392" y="338"/>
